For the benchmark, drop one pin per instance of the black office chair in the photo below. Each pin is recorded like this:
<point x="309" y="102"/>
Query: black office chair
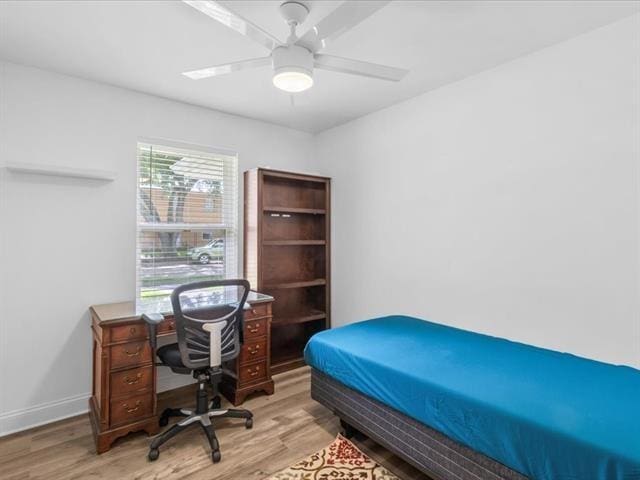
<point x="208" y="335"/>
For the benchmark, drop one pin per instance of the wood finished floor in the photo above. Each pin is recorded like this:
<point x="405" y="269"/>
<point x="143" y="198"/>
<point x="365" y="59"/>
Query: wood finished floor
<point x="288" y="426"/>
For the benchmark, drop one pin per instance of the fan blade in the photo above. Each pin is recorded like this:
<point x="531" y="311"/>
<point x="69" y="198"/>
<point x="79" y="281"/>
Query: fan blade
<point x="343" y="18"/>
<point x="357" y="67"/>
<point x="234" y="21"/>
<point x="228" y="68"/>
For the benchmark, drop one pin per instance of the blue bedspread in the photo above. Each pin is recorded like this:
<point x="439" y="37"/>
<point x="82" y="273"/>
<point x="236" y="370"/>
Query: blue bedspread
<point x="545" y="414"/>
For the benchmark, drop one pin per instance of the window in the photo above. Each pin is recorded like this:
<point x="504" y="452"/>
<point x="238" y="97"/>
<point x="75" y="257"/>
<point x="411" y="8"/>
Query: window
<point x="187" y="218"/>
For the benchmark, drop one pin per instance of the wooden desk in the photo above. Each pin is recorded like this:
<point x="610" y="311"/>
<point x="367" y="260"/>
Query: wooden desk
<point x="123" y="398"/>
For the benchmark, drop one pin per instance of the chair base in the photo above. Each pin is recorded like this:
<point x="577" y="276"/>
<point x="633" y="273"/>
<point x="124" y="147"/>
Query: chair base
<point x="201" y="416"/>
<point x="201" y="419"/>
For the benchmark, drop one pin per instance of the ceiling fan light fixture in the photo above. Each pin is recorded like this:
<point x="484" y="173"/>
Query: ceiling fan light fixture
<point x="292" y="68"/>
<point x="293" y="79"/>
<point x="295" y="60"/>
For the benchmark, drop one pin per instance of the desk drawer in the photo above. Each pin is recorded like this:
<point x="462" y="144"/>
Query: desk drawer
<point x="257" y="311"/>
<point x="167" y="326"/>
<point x="129" y="381"/>
<point x="133" y="331"/>
<point x="131" y="409"/>
<point x="253" y="351"/>
<point x="255" y="328"/>
<point x="253" y="373"/>
<point x="129" y="354"/>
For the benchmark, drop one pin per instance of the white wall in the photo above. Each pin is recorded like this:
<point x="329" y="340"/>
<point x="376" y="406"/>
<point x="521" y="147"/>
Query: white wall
<point x="66" y="244"/>
<point x="506" y="203"/>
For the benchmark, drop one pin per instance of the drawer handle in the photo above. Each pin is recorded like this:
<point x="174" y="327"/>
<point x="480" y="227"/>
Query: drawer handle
<point x="255" y="329"/>
<point x="132" y="354"/>
<point x="254" y="373"/>
<point x="132" y="330"/>
<point x="132" y="381"/>
<point x="132" y="410"/>
<point x="254" y="350"/>
<point x="254" y="311"/>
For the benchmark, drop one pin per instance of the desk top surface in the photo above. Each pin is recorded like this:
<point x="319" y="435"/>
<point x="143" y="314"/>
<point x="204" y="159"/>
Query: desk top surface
<point x="130" y="311"/>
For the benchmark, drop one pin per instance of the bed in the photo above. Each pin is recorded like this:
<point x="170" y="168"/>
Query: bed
<point x="461" y="405"/>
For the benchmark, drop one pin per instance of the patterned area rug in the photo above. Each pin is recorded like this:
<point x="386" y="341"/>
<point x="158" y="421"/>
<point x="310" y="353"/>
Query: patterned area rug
<point x="341" y="460"/>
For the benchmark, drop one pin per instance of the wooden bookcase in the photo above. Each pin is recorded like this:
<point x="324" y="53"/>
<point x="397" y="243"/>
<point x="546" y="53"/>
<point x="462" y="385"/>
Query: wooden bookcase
<point x="287" y="255"/>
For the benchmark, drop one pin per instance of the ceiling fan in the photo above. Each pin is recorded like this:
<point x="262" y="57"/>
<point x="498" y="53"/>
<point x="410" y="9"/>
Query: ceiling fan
<point x="293" y="61"/>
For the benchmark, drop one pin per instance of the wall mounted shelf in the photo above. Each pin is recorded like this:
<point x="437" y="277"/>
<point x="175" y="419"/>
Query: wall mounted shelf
<point x="60" y="171"/>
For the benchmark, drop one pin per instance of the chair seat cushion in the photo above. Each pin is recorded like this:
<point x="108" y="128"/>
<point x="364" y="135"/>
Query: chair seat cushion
<point x="169" y="355"/>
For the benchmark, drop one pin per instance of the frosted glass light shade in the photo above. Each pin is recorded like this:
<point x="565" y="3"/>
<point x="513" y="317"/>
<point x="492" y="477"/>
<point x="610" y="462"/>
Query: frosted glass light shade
<point x="293" y="80"/>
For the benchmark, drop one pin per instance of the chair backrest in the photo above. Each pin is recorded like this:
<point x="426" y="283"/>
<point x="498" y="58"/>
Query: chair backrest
<point x="192" y="310"/>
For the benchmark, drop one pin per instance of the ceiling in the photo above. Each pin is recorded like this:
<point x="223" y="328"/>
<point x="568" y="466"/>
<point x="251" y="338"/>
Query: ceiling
<point x="145" y="45"/>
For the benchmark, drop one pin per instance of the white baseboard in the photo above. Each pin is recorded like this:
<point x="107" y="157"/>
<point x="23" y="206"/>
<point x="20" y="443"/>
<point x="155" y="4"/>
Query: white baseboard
<point x="30" y="417"/>
<point x="25" y="418"/>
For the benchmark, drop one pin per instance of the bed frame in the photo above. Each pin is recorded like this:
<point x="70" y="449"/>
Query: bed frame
<point x="426" y="449"/>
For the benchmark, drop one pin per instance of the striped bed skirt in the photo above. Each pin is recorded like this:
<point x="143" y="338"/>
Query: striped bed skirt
<point x="426" y="449"/>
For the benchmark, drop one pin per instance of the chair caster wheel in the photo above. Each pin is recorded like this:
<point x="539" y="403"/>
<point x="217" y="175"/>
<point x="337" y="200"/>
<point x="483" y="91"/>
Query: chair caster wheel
<point x="216" y="403"/>
<point x="154" y="453"/>
<point x="248" y="423"/>
<point x="215" y="456"/>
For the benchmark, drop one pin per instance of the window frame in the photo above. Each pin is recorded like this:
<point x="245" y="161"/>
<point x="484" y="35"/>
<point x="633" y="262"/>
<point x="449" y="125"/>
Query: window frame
<point x="232" y="229"/>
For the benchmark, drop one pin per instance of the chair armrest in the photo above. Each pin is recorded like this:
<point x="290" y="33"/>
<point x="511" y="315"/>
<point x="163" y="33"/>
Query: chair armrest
<point x="245" y="306"/>
<point x="153" y="320"/>
<point x="215" y="341"/>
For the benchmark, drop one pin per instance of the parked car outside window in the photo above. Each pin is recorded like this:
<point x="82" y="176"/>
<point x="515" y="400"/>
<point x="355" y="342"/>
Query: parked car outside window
<point x="211" y="251"/>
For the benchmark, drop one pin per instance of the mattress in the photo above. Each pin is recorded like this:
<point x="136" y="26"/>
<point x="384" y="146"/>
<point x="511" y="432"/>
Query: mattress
<point x="423" y="447"/>
<point x="545" y="414"/>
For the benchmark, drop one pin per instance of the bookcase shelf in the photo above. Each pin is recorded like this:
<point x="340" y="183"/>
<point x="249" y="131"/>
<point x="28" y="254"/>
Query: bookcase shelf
<point x="293" y="242"/>
<point x="288" y="341"/>
<point x="287" y="255"/>
<point x="302" y="317"/>
<point x="307" y="283"/>
<point x="313" y="211"/>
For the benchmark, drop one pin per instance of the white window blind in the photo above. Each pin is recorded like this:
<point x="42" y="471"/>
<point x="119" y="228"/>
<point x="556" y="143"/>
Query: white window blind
<point x="187" y="218"/>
